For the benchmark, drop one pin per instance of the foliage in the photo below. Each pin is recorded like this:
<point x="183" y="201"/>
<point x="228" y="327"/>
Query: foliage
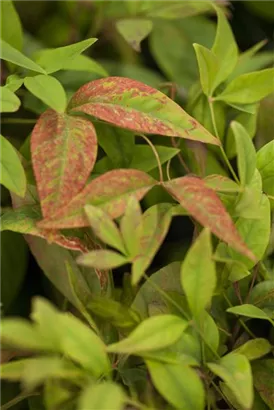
<point x="113" y="162"/>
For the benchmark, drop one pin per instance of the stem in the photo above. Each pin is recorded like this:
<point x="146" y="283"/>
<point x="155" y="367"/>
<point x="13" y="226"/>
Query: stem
<point x="18" y="121"/>
<point x="161" y="177"/>
<point x="221" y="146"/>
<point x="138" y="405"/>
<point x="168" y="169"/>
<point x="18" y="399"/>
<point x="181" y="159"/>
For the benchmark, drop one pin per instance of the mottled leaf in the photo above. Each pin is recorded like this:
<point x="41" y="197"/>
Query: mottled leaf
<point x="204" y="205"/>
<point x="133" y="105"/>
<point x="134" y="31"/>
<point x="104" y="396"/>
<point x="102" y="259"/>
<point x="265" y="164"/>
<point x="110" y="192"/>
<point x="9" y="102"/>
<point x="263" y="371"/>
<point x="64" y="151"/>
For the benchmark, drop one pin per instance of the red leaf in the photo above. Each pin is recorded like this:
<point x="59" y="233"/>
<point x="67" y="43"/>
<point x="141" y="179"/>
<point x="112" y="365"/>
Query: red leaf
<point x="133" y="105"/>
<point x="205" y="206"/>
<point x="110" y="192"/>
<point x="64" y="151"/>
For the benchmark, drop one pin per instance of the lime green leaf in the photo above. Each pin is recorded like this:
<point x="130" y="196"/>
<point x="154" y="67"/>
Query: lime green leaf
<point x="145" y="160"/>
<point x="134" y="31"/>
<point x="102" y="259"/>
<point x="249" y="88"/>
<point x="58" y="58"/>
<point x="178" y="384"/>
<point x="249" y="311"/>
<point x="82" y="345"/>
<point x="130" y="225"/>
<point x="84" y="63"/>
<point x="105" y="228"/>
<point x="104" y="396"/>
<point x="208" y="67"/>
<point x="246" y="154"/>
<point x="198" y="275"/>
<point x="254" y="349"/>
<point x="9" y="102"/>
<point x="12" y="172"/>
<point x="263" y="371"/>
<point x="153" y="333"/>
<point x="225" y="49"/>
<point x="265" y="164"/>
<point x="49" y="90"/>
<point x="234" y="369"/>
<point x="9" y="53"/>
<point x="221" y="183"/>
<point x="14" y="82"/>
<point x="11" y="29"/>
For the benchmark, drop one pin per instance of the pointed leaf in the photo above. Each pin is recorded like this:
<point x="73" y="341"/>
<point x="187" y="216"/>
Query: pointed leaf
<point x="249" y="311"/>
<point x="49" y="90"/>
<point x="9" y="102"/>
<point x="109" y="191"/>
<point x="130" y="225"/>
<point x="198" y="275"/>
<point x="104" y="396"/>
<point x="204" y="205"/>
<point x="221" y="183"/>
<point x="263" y="371"/>
<point x="9" y="53"/>
<point x="57" y="58"/>
<point x="145" y="160"/>
<point x="249" y="88"/>
<point x="64" y="151"/>
<point x="14" y="82"/>
<point x="133" y="105"/>
<point x="11" y="29"/>
<point x="235" y="371"/>
<point x="102" y="259"/>
<point x="84" y="63"/>
<point x="12" y="174"/>
<point x="246" y="154"/>
<point x="178" y="384"/>
<point x="265" y="164"/>
<point x="134" y="31"/>
<point x="153" y="333"/>
<point x="254" y="349"/>
<point x="208" y="66"/>
<point x="104" y="227"/>
<point x="262" y="295"/>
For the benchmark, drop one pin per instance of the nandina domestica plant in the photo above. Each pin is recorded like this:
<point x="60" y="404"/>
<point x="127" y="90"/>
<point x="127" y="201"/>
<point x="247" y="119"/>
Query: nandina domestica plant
<point x="115" y="162"/>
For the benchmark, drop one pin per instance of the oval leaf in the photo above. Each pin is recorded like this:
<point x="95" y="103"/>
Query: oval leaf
<point x="64" y="151"/>
<point x="205" y="206"/>
<point x="133" y="105"/>
<point x="153" y="333"/>
<point x="265" y="164"/>
<point x="254" y="349"/>
<point x="9" y="102"/>
<point x="102" y="259"/>
<point x="104" y="396"/>
<point x="249" y="311"/>
<point x="109" y="191"/>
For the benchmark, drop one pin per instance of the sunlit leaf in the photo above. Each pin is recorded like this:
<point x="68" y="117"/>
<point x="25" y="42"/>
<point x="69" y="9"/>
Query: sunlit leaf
<point x="64" y="150"/>
<point x="205" y="206"/>
<point x="249" y="311"/>
<point x="14" y="82"/>
<point x="11" y="29"/>
<point x="9" y="102"/>
<point x="254" y="349"/>
<point x="84" y="63"/>
<point x="104" y="396"/>
<point x="208" y="67"/>
<point x="102" y="259"/>
<point x="138" y="107"/>
<point x="130" y="225"/>
<point x="134" y="31"/>
<point x="221" y="183"/>
<point x="265" y="164"/>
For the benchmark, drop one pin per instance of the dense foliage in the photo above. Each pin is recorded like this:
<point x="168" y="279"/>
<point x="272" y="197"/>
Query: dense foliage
<point x="137" y="190"/>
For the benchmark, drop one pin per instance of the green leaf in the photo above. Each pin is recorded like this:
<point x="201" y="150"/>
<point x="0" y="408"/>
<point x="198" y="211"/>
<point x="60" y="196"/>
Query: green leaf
<point x="14" y="82"/>
<point x="105" y="228"/>
<point x="9" y="53"/>
<point x="13" y="269"/>
<point x="138" y="107"/>
<point x="263" y="371"/>
<point x="178" y="384"/>
<point x="102" y="259"/>
<point x="198" y="275"/>
<point x="246" y="154"/>
<point x="104" y="396"/>
<point x="234" y="369"/>
<point x="11" y="29"/>
<point x="84" y="63"/>
<point x="208" y="67"/>
<point x="221" y="183"/>
<point x="262" y="295"/>
<point x="224" y="48"/>
<point x="249" y="88"/>
<point x="134" y="31"/>
<point x="145" y="160"/>
<point x="82" y="345"/>
<point x="254" y="349"/>
<point x="265" y="161"/>
<point x="9" y="102"/>
<point x="130" y="225"/>
<point x="49" y="90"/>
<point x="12" y="172"/>
<point x="250" y="311"/>
<point x="58" y="58"/>
<point x="152" y="334"/>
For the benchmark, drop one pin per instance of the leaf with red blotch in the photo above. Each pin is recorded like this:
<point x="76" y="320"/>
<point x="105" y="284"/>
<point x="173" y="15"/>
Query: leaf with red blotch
<point x="109" y="191"/>
<point x="136" y="106"/>
<point x="64" y="150"/>
<point x="205" y="206"/>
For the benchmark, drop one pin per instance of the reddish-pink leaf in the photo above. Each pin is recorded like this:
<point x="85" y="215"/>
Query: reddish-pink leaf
<point x="64" y="150"/>
<point x="136" y="106"/>
<point x="109" y="191"/>
<point x="205" y="206"/>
